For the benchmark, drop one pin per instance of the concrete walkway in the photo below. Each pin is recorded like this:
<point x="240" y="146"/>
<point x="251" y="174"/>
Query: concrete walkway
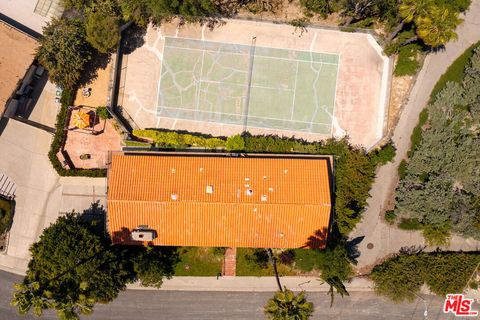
<point x="385" y="239"/>
<point x="252" y="284"/>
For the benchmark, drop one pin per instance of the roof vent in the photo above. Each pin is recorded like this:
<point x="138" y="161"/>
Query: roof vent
<point x="270" y="189"/>
<point x="209" y="189"/>
<point x="201" y="169"/>
<point x="249" y="192"/>
<point x="143" y="235"/>
<point x="174" y="197"/>
<point x="264" y="177"/>
<point x="247" y="179"/>
<point x="173" y="170"/>
<point x="285" y="171"/>
<point x="281" y="234"/>
<point x="254" y="209"/>
<point x="264" y="197"/>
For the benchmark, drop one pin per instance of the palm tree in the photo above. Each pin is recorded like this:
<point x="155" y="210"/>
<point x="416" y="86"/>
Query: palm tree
<point x="438" y="27"/>
<point x="410" y="10"/>
<point x="285" y="305"/>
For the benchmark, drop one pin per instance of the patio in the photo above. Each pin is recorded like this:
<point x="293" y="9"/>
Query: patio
<point x="88" y="147"/>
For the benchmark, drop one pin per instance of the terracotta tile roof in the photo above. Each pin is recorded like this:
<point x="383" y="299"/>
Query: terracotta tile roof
<point x="220" y="201"/>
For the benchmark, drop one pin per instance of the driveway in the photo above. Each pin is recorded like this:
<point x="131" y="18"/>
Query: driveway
<point x="386" y="239"/>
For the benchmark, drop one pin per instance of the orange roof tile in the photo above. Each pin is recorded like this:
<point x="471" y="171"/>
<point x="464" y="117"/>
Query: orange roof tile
<point x="218" y="201"/>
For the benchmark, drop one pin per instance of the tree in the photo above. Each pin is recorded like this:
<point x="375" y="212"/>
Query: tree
<point x="152" y="264"/>
<point x="102" y="31"/>
<point x="410" y="10"/>
<point x="71" y="269"/>
<point x="286" y="305"/>
<point x="438" y="27"/>
<point x="63" y="51"/>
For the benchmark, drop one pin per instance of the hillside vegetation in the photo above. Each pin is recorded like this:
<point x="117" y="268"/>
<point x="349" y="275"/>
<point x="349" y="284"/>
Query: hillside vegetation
<point x="441" y="185"/>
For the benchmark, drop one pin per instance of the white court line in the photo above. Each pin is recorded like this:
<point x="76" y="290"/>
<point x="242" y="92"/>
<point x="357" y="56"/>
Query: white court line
<point x="256" y="55"/>
<point x="197" y="95"/>
<point x="313" y="41"/>
<point x="335" y="100"/>
<point x="247" y="45"/>
<point x="236" y="114"/>
<point x="294" y="92"/>
<point x="244" y="85"/>
<point x="203" y="32"/>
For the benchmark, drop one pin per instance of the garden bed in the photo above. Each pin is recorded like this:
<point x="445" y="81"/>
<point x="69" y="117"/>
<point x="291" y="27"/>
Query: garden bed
<point x="198" y="261"/>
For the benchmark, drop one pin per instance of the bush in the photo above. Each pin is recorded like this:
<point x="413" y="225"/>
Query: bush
<point x="175" y="140"/>
<point x="103" y="113"/>
<point x="235" y="143"/>
<point x="437" y="235"/>
<point x="402" y="169"/>
<point x="407" y="63"/>
<point x="287" y="257"/>
<point x="384" y="155"/>
<point x="401" y="277"/>
<point x="410" y="224"/>
<point x="5" y="215"/>
<point x="455" y="72"/>
<point x="259" y="258"/>
<point x="390" y="216"/>
<point x="416" y="137"/>
<point x="219" y="251"/>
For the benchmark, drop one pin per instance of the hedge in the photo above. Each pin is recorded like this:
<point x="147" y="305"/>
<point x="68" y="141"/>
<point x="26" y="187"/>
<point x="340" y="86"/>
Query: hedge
<point x="67" y="98"/>
<point x="174" y="139"/>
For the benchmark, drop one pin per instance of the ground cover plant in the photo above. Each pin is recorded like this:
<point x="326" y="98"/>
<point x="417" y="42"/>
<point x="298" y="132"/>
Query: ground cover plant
<point x="441" y="186"/>
<point x="198" y="261"/>
<point x="5" y="215"/>
<point x="400" y="278"/>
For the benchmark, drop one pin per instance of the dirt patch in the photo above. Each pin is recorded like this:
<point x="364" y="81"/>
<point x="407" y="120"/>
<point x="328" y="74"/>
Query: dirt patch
<point x="17" y="51"/>
<point x="401" y="87"/>
<point x="286" y="11"/>
<point x="99" y="89"/>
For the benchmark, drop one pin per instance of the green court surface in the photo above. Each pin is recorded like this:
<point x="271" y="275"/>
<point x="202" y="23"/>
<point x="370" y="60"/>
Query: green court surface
<point x="246" y="85"/>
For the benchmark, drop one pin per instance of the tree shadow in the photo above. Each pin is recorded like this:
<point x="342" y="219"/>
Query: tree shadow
<point x="352" y="248"/>
<point x="318" y="240"/>
<point x="90" y="72"/>
<point x="132" y="39"/>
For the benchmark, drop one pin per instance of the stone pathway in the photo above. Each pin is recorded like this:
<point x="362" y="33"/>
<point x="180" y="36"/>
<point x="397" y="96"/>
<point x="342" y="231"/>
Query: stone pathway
<point x="230" y="262"/>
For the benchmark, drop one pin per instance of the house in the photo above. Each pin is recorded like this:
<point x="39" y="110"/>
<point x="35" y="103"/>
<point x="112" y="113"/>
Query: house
<point x="219" y="200"/>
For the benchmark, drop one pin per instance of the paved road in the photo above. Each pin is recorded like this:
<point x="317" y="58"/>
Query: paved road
<point x="387" y="240"/>
<point x="149" y="305"/>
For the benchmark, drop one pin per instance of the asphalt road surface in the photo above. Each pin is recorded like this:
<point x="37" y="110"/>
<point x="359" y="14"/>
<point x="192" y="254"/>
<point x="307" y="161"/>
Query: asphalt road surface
<point x="149" y="305"/>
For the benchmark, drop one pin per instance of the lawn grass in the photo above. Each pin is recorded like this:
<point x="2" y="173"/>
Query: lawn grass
<point x="248" y="268"/>
<point x="5" y="215"/>
<point x="130" y="143"/>
<point x="455" y="72"/>
<point x="410" y="224"/>
<point x="198" y="261"/>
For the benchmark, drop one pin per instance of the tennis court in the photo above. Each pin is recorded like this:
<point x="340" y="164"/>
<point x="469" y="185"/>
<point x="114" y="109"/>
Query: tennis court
<point x="247" y="85"/>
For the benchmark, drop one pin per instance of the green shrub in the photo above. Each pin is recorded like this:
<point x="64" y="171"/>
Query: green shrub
<point x="5" y="215"/>
<point x="235" y="143"/>
<point x="402" y="169"/>
<point x="455" y="72"/>
<point x="437" y="235"/>
<point x="103" y="113"/>
<point x="219" y="251"/>
<point x="410" y="224"/>
<point x="175" y="140"/>
<point x="259" y="258"/>
<point x="390" y="216"/>
<point x="401" y="277"/>
<point x="407" y="62"/>
<point x="384" y="155"/>
<point x="473" y="285"/>
<point x="416" y="137"/>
